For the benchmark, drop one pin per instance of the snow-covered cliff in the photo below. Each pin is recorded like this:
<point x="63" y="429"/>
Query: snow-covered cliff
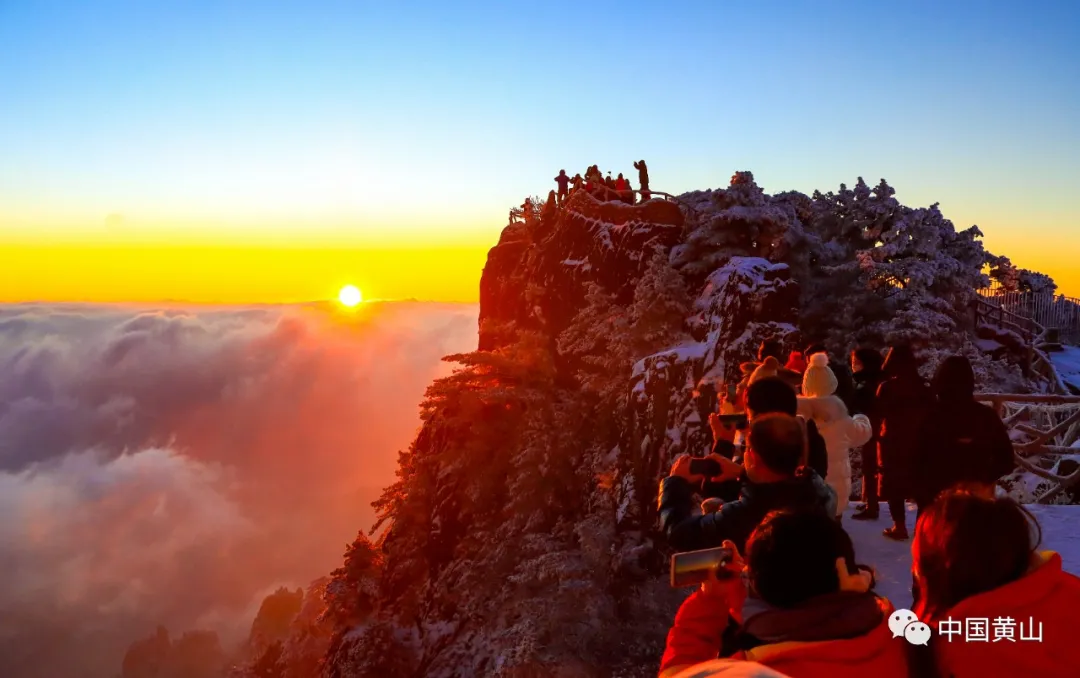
<point x="519" y="539"/>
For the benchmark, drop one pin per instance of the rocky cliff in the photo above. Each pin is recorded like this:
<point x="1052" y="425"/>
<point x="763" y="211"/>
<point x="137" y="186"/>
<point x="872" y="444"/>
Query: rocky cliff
<point x="519" y="539"/>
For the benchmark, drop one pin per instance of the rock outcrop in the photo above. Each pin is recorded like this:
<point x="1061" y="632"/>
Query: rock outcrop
<point x="536" y="276"/>
<point x="520" y="538"/>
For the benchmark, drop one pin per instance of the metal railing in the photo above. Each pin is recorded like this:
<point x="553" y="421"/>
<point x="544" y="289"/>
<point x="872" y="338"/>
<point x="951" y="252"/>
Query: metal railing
<point x="517" y="214"/>
<point x="1057" y="313"/>
<point x="1036" y="363"/>
<point x="1043" y="429"/>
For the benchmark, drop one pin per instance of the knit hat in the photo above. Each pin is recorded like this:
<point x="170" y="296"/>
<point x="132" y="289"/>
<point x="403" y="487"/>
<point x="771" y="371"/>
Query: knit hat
<point x="766" y="369"/>
<point x="818" y="380"/>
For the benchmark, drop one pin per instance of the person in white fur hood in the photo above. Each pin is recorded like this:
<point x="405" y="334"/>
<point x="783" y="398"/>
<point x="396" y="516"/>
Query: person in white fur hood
<point x="841" y="431"/>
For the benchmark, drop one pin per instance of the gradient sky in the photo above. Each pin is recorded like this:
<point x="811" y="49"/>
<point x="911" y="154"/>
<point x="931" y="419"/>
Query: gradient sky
<point x="243" y="151"/>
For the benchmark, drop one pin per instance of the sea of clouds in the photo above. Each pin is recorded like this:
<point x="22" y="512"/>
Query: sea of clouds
<point x="174" y="466"/>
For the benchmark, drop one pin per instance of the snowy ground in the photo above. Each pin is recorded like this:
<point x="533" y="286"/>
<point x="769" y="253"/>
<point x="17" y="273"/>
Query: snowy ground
<point x="1067" y="363"/>
<point x="892" y="560"/>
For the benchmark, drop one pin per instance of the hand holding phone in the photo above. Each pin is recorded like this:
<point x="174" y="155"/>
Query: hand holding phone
<point x="705" y="466"/>
<point x="715" y="466"/>
<point x="737" y="421"/>
<point x="712" y="568"/>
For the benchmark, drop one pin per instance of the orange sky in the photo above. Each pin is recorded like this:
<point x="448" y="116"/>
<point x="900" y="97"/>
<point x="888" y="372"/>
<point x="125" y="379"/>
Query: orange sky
<point x="153" y="273"/>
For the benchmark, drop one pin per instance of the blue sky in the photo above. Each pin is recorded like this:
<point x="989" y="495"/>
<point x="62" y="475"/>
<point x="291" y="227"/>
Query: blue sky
<point x="403" y="119"/>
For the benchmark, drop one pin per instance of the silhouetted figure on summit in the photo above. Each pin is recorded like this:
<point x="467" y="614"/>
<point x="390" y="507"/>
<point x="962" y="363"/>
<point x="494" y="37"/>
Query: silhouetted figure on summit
<point x="550" y="210"/>
<point x="578" y="183"/>
<point x="643" y="179"/>
<point x="623" y="187"/>
<point x="527" y="211"/>
<point x="564" y="186"/>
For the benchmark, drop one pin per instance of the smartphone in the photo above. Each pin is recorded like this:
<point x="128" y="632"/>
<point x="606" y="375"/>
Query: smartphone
<point x="710" y="468"/>
<point x="693" y="567"/>
<point x="739" y="421"/>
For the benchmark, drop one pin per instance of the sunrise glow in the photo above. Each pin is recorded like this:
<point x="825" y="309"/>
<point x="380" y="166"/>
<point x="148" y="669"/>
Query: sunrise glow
<point x="350" y="296"/>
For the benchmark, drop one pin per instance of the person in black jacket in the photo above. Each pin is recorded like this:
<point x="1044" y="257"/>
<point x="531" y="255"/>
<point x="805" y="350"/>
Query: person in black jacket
<point x="866" y="368"/>
<point x="902" y="403"/>
<point x="961" y="440"/>
<point x="563" y="182"/>
<point x="773" y="480"/>
<point x="643" y="179"/>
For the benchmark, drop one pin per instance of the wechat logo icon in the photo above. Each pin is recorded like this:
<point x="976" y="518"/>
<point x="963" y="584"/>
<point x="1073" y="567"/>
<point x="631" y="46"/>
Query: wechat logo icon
<point x="904" y="623"/>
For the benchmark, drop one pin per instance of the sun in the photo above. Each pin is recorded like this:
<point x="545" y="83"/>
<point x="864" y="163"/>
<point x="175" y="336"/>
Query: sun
<point x="350" y="295"/>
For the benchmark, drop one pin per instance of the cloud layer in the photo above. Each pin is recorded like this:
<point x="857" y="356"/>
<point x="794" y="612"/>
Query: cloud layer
<point x="174" y="466"/>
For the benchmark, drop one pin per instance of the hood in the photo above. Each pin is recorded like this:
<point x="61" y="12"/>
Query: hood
<point x="954" y="381"/>
<point x="1038" y="587"/>
<point x="835" y="616"/>
<point x="872" y="653"/>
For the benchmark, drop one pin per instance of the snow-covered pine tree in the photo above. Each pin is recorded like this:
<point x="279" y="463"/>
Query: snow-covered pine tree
<point x="351" y="595"/>
<point x="659" y="310"/>
<point x="885" y="272"/>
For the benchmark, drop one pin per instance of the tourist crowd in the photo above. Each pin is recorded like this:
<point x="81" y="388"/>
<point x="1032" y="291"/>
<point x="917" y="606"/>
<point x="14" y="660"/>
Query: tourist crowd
<point x="794" y="600"/>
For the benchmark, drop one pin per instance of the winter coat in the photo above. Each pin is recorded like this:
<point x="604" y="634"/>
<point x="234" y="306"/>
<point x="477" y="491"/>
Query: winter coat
<point x="621" y="185"/>
<point x="643" y="175"/>
<point x="845" y="384"/>
<point x="563" y="181"/>
<point x="837" y="635"/>
<point x="817" y="458"/>
<point x="902" y="404"/>
<point x="960" y="442"/>
<point x="735" y="520"/>
<point x="842" y="433"/>
<point x="865" y="395"/>
<point x="1047" y="595"/>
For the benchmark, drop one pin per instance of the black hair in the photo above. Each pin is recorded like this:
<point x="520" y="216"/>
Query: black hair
<point x="900" y="360"/>
<point x="967" y="543"/>
<point x="870" y="358"/>
<point x="771" y="348"/>
<point x="771" y="394"/>
<point x="778" y="441"/>
<point x="814" y="348"/>
<point x="955" y="380"/>
<point x="791" y="556"/>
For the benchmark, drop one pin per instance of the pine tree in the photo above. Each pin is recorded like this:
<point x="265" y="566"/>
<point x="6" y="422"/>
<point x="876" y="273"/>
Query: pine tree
<point x="659" y="309"/>
<point x="352" y="592"/>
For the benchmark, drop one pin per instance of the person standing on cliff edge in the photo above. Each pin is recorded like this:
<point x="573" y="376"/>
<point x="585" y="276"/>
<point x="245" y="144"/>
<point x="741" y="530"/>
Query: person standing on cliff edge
<point x="564" y="186"/>
<point x="643" y="179"/>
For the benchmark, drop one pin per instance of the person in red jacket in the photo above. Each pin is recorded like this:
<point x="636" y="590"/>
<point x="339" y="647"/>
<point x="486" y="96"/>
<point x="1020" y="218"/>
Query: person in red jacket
<point x="976" y="558"/>
<point x="806" y="609"/>
<point x="796" y="362"/>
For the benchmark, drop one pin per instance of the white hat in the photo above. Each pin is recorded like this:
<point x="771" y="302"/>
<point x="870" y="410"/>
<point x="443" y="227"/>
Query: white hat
<point x="818" y="380"/>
